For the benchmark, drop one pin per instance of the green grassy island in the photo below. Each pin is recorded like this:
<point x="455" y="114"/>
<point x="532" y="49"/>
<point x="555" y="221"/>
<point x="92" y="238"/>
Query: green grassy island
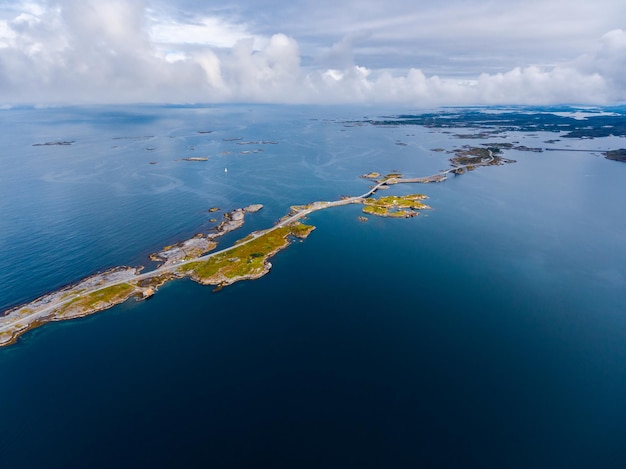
<point x="248" y="259"/>
<point x="98" y="300"/>
<point x="393" y="206"/>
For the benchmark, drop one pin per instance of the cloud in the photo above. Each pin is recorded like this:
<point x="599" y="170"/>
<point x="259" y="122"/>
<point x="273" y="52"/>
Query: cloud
<point x="207" y="31"/>
<point x="271" y="74"/>
<point x="88" y="51"/>
<point x="341" y="53"/>
<point x="455" y="37"/>
<point x="609" y="61"/>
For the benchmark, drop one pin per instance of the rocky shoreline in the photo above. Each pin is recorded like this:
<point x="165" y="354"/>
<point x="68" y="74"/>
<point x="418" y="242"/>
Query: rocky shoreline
<point x="249" y="257"/>
<point x="67" y="298"/>
<point x="91" y="294"/>
<point x="616" y="155"/>
<point x="202" y="243"/>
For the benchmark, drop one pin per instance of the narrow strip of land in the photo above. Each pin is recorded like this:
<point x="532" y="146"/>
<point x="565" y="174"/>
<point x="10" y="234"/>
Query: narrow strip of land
<point x="104" y="290"/>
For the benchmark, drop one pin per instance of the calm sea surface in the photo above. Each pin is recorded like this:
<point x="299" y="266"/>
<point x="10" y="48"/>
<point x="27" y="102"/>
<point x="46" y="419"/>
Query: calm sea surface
<point x="488" y="332"/>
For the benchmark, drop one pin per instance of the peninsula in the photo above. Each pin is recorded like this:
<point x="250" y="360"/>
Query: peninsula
<point x="248" y="258"/>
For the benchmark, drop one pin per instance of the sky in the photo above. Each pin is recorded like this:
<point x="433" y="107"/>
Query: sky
<point x="412" y="52"/>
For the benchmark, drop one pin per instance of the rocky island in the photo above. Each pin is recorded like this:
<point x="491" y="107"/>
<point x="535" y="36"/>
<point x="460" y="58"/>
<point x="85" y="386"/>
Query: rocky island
<point x="395" y="206"/>
<point x="59" y="143"/>
<point x="248" y="259"/>
<point x="616" y="155"/>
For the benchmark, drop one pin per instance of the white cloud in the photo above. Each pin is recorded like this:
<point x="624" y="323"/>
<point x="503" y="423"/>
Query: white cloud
<point x="207" y="31"/>
<point x="7" y="35"/>
<point x="609" y="60"/>
<point x="76" y="51"/>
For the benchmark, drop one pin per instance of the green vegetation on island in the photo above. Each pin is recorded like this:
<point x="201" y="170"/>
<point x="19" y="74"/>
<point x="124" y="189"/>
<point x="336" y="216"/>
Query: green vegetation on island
<point x="99" y="299"/>
<point x="406" y="206"/>
<point x="248" y="259"/>
<point x="391" y="178"/>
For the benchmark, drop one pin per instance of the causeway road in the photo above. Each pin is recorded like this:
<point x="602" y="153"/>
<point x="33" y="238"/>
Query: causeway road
<point x="13" y="321"/>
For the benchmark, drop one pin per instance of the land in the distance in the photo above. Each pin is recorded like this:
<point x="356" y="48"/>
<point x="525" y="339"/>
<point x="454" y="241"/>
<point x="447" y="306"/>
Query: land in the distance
<point x="581" y="124"/>
<point x="616" y="155"/>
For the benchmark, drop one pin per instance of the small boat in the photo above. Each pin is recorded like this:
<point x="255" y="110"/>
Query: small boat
<point x="225" y="170"/>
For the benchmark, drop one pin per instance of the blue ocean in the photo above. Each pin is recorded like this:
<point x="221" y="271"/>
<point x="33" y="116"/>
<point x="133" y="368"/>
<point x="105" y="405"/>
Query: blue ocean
<point x="489" y="331"/>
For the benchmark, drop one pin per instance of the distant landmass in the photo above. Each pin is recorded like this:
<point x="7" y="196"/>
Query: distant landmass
<point x="616" y="155"/>
<point x="579" y="124"/>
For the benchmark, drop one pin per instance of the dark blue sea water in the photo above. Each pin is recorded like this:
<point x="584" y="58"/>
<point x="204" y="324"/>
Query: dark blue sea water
<point x="488" y="332"/>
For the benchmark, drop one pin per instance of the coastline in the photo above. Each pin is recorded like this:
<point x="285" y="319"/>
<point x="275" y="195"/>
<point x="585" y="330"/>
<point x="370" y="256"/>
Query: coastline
<point x="191" y="257"/>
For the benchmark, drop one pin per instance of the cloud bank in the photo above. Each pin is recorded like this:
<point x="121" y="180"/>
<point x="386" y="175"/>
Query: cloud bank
<point x="121" y="51"/>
